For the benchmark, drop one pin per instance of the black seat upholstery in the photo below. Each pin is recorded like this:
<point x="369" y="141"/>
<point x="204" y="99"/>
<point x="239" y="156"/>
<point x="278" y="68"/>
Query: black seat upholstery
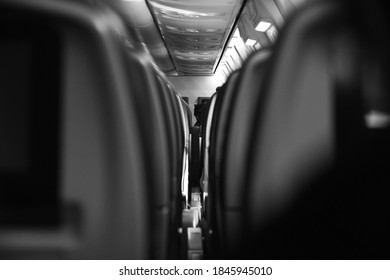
<point x="315" y="183"/>
<point x="218" y="129"/>
<point x="109" y="160"/>
<point x="28" y="129"/>
<point x="174" y="126"/>
<point x="157" y="133"/>
<point x="229" y="149"/>
<point x="237" y="148"/>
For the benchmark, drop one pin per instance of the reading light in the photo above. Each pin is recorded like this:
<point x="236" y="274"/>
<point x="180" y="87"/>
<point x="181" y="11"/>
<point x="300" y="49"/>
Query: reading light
<point x="263" y="26"/>
<point x="377" y="119"/>
<point x="250" y="42"/>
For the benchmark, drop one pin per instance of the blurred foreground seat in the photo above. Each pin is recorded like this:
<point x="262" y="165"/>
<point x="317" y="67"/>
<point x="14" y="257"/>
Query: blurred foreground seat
<point x="85" y="169"/>
<point x="315" y="185"/>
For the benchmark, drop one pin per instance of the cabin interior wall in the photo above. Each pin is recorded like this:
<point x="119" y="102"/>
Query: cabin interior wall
<point x="195" y="86"/>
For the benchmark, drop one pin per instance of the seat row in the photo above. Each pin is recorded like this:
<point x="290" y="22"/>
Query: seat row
<point x="296" y="143"/>
<point x="94" y="140"/>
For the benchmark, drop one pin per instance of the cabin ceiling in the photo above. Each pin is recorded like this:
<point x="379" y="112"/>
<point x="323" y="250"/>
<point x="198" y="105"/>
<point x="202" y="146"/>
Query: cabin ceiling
<point x="195" y="31"/>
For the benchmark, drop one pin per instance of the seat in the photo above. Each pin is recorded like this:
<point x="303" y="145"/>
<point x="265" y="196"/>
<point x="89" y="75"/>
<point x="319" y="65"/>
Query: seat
<point x="237" y="151"/>
<point x="205" y="147"/>
<point x="176" y="135"/>
<point x="218" y="130"/>
<point x="97" y="150"/>
<point x="315" y="185"/>
<point x="234" y="109"/>
<point x="186" y="121"/>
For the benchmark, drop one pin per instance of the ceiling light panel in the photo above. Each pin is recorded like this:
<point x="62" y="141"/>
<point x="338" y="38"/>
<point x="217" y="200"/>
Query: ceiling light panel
<point x="195" y="31"/>
<point x="263" y="26"/>
<point x="250" y="42"/>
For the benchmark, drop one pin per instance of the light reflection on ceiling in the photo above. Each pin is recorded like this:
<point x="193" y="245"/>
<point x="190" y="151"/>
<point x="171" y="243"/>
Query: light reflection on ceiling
<point x="195" y="31"/>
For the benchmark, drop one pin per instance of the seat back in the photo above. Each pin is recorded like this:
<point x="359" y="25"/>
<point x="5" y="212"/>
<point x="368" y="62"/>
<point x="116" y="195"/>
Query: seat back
<point x="237" y="148"/>
<point x="94" y="146"/>
<point x="301" y="195"/>
<point x="218" y="130"/>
